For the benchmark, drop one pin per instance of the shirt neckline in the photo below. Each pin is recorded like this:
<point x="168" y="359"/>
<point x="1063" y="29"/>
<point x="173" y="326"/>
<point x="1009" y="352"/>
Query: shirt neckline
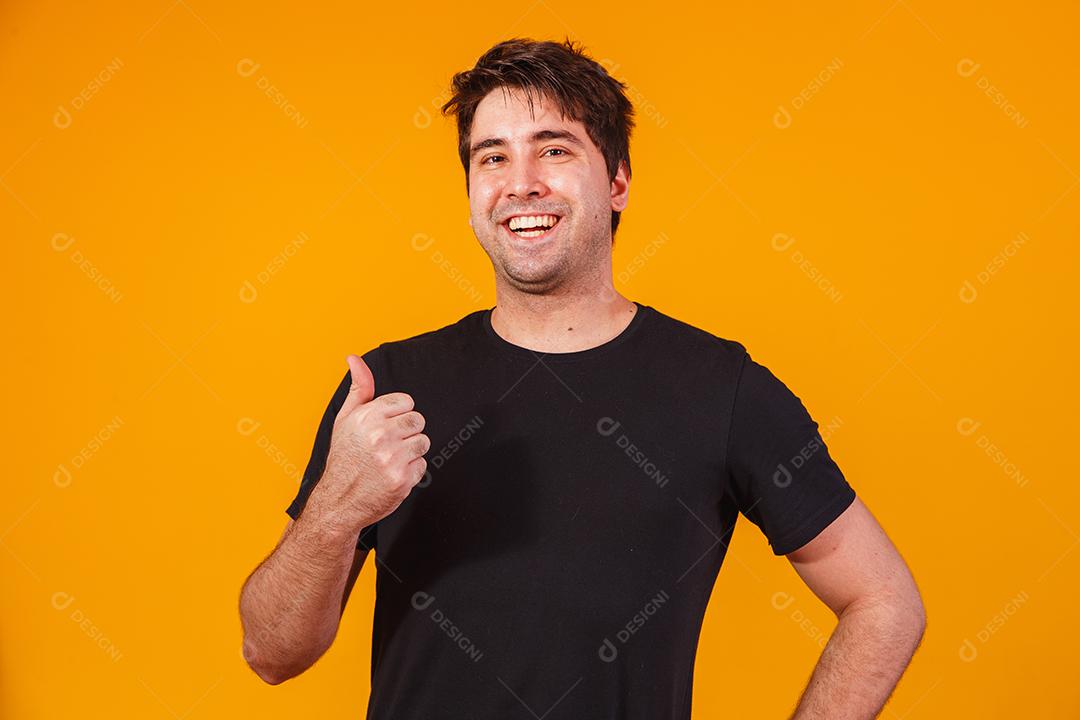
<point x="506" y="346"/>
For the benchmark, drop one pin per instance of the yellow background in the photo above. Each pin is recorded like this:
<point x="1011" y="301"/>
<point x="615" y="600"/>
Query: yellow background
<point x="211" y="204"/>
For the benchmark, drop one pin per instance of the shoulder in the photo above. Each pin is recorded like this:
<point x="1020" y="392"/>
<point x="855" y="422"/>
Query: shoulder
<point x="686" y="336"/>
<point x="444" y="342"/>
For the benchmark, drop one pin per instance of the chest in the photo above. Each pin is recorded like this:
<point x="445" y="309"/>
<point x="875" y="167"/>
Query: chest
<point x="543" y="472"/>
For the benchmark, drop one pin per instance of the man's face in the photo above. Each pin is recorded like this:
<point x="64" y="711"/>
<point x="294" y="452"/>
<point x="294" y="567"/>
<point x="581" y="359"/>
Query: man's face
<point x="535" y="165"/>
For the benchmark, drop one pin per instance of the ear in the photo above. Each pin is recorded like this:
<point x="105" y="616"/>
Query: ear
<point x="620" y="189"/>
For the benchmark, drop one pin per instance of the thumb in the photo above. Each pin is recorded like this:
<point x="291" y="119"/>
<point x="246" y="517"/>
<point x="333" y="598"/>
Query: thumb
<point x="362" y="389"/>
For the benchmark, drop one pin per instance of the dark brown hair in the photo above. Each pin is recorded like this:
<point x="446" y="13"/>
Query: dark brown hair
<point x="580" y="87"/>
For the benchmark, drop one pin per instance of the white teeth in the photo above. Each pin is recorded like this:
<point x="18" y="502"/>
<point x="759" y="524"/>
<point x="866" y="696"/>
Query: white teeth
<point x="530" y="221"/>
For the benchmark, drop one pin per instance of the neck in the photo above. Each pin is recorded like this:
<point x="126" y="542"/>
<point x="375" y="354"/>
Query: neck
<point x="564" y="321"/>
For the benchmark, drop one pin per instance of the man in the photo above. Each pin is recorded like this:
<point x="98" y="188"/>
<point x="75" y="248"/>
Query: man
<point x="550" y="485"/>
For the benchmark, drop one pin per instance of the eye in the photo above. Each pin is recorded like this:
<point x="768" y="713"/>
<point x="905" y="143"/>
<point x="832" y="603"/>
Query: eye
<point x="559" y="150"/>
<point x="489" y="157"/>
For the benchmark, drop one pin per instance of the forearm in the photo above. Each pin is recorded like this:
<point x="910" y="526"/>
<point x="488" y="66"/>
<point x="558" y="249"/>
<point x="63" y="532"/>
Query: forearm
<point x="862" y="663"/>
<point x="290" y="606"/>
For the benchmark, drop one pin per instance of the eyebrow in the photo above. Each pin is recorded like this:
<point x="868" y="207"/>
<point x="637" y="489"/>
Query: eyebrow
<point x="537" y="136"/>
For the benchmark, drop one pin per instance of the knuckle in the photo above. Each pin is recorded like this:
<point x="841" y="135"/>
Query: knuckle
<point x="399" y="401"/>
<point x="402" y="482"/>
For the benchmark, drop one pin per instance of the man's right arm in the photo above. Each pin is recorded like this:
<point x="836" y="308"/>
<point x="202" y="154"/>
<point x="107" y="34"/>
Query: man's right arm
<point x="291" y="604"/>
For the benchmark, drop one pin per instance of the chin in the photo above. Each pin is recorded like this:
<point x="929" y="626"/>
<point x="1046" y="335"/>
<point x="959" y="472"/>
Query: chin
<point x="533" y="279"/>
<point x="535" y="287"/>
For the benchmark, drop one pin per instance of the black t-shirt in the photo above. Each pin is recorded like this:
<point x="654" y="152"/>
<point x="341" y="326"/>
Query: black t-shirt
<point x="557" y="558"/>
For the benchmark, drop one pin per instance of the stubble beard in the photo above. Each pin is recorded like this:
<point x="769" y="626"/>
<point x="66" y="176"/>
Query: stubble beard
<point x="573" y="261"/>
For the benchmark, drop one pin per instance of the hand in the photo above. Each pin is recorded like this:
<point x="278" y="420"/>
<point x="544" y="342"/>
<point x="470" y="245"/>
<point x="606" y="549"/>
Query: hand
<point x="376" y="454"/>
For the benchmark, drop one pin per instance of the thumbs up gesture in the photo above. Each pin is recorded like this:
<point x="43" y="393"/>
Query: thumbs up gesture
<point x="375" y="457"/>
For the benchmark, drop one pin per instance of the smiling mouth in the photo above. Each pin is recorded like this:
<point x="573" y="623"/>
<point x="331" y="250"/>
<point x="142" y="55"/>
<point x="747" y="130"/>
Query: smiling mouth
<point x="532" y="227"/>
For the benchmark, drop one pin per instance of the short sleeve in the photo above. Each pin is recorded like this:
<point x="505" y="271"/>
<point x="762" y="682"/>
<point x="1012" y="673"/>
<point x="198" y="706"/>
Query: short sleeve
<point x="780" y="472"/>
<point x="321" y="449"/>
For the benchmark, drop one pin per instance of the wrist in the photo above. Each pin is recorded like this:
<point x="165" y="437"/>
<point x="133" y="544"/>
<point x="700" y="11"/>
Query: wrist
<point x="326" y="521"/>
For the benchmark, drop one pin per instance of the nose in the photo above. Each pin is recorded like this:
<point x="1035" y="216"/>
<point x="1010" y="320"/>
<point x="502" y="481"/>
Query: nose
<point x="526" y="180"/>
